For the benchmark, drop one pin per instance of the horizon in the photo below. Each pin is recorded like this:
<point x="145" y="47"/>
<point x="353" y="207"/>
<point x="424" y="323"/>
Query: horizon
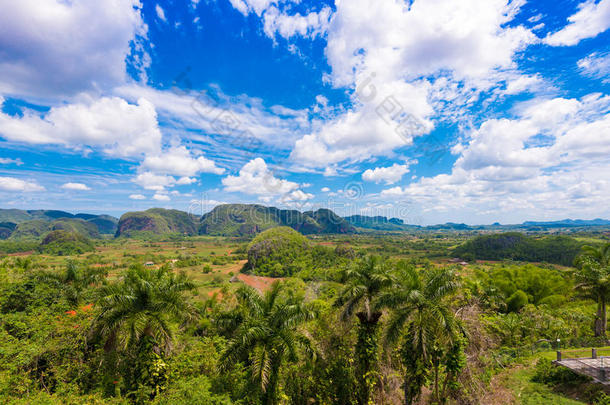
<point x="368" y="107"/>
<point x="497" y="223"/>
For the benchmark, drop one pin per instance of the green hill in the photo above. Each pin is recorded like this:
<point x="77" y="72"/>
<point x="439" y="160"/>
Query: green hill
<point x="248" y="219"/>
<point x="156" y="221"/>
<point x="276" y="251"/>
<point x="61" y="242"/>
<point x="76" y="225"/>
<point x="34" y="228"/>
<point x="517" y="246"/>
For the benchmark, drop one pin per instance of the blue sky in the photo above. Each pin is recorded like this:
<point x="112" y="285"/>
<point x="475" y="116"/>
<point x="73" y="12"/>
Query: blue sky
<point x="474" y="111"/>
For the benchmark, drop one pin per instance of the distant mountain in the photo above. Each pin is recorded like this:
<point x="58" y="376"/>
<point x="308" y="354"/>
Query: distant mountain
<point x="157" y="221"/>
<point x="38" y="228"/>
<point x="249" y="219"/>
<point x="379" y="223"/>
<point x="568" y="223"/>
<point x="16" y="224"/>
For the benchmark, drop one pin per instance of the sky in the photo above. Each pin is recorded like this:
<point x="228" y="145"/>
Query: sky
<point x="473" y="111"/>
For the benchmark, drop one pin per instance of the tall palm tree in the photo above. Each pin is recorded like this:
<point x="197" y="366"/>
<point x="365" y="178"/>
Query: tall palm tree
<point x="263" y="332"/>
<point x="365" y="281"/>
<point x="143" y="304"/>
<point x="593" y="281"/>
<point x="421" y="318"/>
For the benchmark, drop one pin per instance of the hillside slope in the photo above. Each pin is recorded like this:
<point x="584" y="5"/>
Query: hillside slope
<point x="249" y="219"/>
<point x="156" y="221"/>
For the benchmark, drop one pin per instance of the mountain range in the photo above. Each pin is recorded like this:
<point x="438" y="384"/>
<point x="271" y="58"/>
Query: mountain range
<point x="233" y="220"/>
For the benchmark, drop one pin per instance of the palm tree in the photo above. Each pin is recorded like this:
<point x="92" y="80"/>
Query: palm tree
<point x="263" y="332"/>
<point x="593" y="281"/>
<point x="364" y="283"/>
<point x="74" y="280"/>
<point x="143" y="305"/>
<point x="422" y="319"/>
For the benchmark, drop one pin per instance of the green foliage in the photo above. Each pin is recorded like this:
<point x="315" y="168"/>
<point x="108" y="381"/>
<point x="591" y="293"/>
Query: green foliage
<point x="550" y="374"/>
<point x="263" y="334"/>
<point x="517" y="246"/>
<point x="282" y="252"/>
<point x="156" y="221"/>
<point x="194" y="391"/>
<point x="63" y="243"/>
<point x="250" y="219"/>
<point x="509" y="288"/>
<point x="516" y="301"/>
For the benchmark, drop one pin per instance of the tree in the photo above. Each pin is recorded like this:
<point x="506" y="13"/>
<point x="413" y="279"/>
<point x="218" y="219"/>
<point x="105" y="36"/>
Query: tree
<point x="422" y="321"/>
<point x="135" y="317"/>
<point x="74" y="280"/>
<point x="365" y="281"/>
<point x="263" y="332"/>
<point x="593" y="281"/>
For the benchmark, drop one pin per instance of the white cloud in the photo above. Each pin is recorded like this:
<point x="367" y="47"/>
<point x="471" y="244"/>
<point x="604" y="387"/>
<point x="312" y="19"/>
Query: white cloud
<point x="160" y="197"/>
<point x="256" y="178"/>
<point x="398" y="81"/>
<point x="523" y="83"/>
<point x="596" y="65"/>
<point x="14" y="184"/>
<point x="179" y="161"/>
<point x="160" y="13"/>
<point x="151" y="181"/>
<point x="590" y="19"/>
<point x="75" y="186"/>
<point x="8" y="161"/>
<point x="242" y="122"/>
<point x="137" y="197"/>
<point x="287" y="26"/>
<point x="550" y="160"/>
<point x="55" y="47"/>
<point x="110" y="123"/>
<point x="325" y="189"/>
<point x="296" y="196"/>
<point x="390" y="174"/>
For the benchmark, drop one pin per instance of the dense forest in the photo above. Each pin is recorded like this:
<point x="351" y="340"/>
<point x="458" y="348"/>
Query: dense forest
<point x="288" y="319"/>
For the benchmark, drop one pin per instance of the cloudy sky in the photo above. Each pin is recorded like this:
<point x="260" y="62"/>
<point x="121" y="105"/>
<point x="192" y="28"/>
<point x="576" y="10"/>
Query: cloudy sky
<point x="469" y="111"/>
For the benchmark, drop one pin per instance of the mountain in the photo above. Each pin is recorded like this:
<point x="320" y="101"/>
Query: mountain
<point x="35" y="223"/>
<point x="379" y="223"/>
<point x="38" y="228"/>
<point x="157" y="221"/>
<point x="249" y="219"/>
<point x="568" y="223"/>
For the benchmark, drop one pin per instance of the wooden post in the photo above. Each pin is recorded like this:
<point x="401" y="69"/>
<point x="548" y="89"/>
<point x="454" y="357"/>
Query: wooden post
<point x="594" y="353"/>
<point x="558" y="355"/>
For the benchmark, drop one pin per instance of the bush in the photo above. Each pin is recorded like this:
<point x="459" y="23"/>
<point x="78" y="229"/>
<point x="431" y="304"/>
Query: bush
<point x="516" y="301"/>
<point x="548" y="373"/>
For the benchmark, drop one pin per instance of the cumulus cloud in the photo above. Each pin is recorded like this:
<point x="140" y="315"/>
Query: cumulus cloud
<point x="18" y="185"/>
<point x="137" y="197"/>
<point x="390" y="174"/>
<point x="591" y="19"/>
<point x="551" y="158"/>
<point x="75" y="186"/>
<point x="160" y="197"/>
<point x="398" y="81"/>
<point x="152" y="181"/>
<point x="54" y="48"/>
<point x="179" y="161"/>
<point x="257" y="179"/>
<point x="109" y="123"/>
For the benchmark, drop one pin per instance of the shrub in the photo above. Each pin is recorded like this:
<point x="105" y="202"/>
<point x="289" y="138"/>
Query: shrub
<point x="516" y="301"/>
